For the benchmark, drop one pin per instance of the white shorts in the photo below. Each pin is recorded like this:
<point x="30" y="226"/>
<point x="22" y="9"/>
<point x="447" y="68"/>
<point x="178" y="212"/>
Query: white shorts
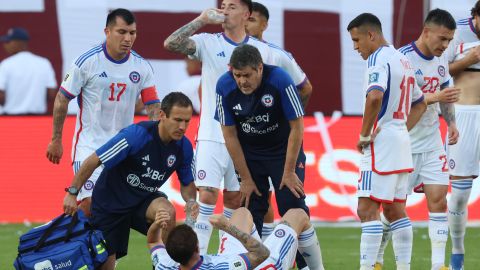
<point x="383" y="188"/>
<point x="87" y="188"/>
<point x="464" y="157"/>
<point x="212" y="165"/>
<point x="282" y="243"/>
<point x="430" y="169"/>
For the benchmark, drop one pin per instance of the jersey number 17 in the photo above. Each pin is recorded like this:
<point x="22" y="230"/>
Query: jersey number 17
<point x="121" y="86"/>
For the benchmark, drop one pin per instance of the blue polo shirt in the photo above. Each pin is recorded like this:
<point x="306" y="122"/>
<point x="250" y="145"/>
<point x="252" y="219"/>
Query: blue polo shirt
<point x="137" y="163"/>
<point x="262" y="117"/>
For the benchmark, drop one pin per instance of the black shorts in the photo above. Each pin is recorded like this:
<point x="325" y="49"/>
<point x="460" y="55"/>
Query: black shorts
<point x="260" y="171"/>
<point x="116" y="227"/>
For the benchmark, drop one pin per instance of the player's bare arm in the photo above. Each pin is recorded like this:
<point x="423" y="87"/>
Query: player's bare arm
<point x="446" y="95"/>
<point x="55" y="148"/>
<point x="51" y="94"/>
<point x="247" y="186"/>
<point x="2" y="97"/>
<point x="153" y="111"/>
<point x="80" y="178"/>
<point x="154" y="234"/>
<point x="471" y="58"/>
<point x="179" y="41"/>
<point x="257" y="252"/>
<point x="373" y="104"/>
<point x="290" y="178"/>
<point x="448" y="113"/>
<point x="305" y="92"/>
<point x="416" y="113"/>
<point x="189" y="195"/>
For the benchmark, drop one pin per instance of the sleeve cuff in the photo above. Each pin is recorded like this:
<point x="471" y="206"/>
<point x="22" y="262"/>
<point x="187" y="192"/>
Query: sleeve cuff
<point x="375" y="87"/>
<point x="299" y="86"/>
<point x="444" y="85"/>
<point x="247" y="261"/>
<point x="66" y="93"/>
<point x="418" y="100"/>
<point x="156" y="248"/>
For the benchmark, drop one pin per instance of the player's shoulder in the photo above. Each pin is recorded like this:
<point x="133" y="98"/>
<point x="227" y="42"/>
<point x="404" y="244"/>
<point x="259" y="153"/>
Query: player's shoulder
<point x="139" y="60"/>
<point x="407" y="49"/>
<point x="143" y="127"/>
<point x="226" y="83"/>
<point x="185" y="144"/>
<point x="274" y="74"/>
<point x="379" y="56"/>
<point x="88" y="55"/>
<point x="278" y="50"/>
<point x="465" y="23"/>
<point x="208" y="36"/>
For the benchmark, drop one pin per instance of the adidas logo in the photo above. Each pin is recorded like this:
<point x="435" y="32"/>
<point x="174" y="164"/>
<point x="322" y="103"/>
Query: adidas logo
<point x="419" y="72"/>
<point x="146" y="158"/>
<point x="103" y="75"/>
<point x="221" y="54"/>
<point x="238" y="107"/>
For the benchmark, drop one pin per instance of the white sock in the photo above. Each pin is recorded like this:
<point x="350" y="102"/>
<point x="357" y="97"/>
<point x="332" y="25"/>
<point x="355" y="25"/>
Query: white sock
<point x="458" y="213"/>
<point x="370" y="243"/>
<point x="267" y="229"/>
<point x="402" y="239"/>
<point x="387" y="235"/>
<point x="438" y="232"/>
<point x="203" y="227"/>
<point x="309" y="247"/>
<point x="227" y="212"/>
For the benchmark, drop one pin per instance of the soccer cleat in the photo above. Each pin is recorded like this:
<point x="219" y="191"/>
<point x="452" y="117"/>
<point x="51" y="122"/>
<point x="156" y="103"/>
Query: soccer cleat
<point x="456" y="261"/>
<point x="378" y="266"/>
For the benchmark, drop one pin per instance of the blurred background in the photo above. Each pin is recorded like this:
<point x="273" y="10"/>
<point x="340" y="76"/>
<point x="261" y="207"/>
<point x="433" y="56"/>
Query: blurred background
<point x="314" y="31"/>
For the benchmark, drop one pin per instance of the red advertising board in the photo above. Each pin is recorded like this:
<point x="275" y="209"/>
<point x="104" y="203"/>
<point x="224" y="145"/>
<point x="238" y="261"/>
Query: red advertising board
<point x="32" y="187"/>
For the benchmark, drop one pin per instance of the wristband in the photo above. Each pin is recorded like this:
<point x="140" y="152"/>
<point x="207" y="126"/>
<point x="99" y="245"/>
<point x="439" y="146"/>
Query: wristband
<point x="365" y="138"/>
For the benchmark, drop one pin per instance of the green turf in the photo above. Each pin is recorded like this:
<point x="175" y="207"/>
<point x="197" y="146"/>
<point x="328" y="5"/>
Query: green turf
<point x="339" y="248"/>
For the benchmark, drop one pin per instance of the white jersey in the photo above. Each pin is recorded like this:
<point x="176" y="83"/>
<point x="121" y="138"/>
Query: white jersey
<point x="432" y="75"/>
<point x="25" y="78"/>
<point x="214" y="51"/>
<point x="391" y="72"/>
<point x="465" y="38"/>
<point x="162" y="261"/>
<point x="107" y="91"/>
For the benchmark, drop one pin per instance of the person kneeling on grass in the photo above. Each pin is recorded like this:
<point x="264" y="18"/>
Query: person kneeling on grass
<point x="240" y="248"/>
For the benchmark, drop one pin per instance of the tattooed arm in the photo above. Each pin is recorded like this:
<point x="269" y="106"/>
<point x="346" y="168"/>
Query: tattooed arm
<point x="448" y="113"/>
<point x="257" y="252"/>
<point x="153" y="111"/>
<point x="305" y="92"/>
<point x="180" y="42"/>
<point x="55" y="148"/>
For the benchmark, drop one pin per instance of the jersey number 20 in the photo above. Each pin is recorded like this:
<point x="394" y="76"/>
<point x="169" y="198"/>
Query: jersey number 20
<point x="121" y="86"/>
<point x="404" y="104"/>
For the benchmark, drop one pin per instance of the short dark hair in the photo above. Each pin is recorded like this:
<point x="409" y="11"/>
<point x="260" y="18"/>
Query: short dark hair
<point x="248" y="3"/>
<point x="175" y="99"/>
<point x="261" y="9"/>
<point x="365" y="19"/>
<point x="125" y="14"/>
<point x="441" y="17"/>
<point x="245" y="56"/>
<point x="181" y="244"/>
<point x="476" y="9"/>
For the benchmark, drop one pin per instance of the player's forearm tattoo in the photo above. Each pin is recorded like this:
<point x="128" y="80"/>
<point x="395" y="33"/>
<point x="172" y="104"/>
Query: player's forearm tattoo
<point x="448" y="112"/>
<point x="60" y="109"/>
<point x="180" y="40"/>
<point x="257" y="251"/>
<point x="153" y="111"/>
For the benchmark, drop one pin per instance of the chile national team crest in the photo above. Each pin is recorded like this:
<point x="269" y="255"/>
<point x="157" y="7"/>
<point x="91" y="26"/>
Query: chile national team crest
<point x="171" y="160"/>
<point x="267" y="100"/>
<point x="441" y="70"/>
<point x="134" y="76"/>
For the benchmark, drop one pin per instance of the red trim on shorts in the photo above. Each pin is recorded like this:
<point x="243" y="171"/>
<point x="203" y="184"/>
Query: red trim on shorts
<point x="81" y="125"/>
<point x="419" y="188"/>
<point x="149" y="95"/>
<point x="399" y="200"/>
<point x="407" y="170"/>
<point x="373" y="198"/>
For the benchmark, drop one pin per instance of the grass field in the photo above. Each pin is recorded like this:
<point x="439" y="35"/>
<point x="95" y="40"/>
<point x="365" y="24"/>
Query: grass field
<point x="339" y="248"/>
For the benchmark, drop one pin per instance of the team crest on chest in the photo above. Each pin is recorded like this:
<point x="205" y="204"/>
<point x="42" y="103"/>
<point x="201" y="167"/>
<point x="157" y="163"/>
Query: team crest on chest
<point x="267" y="100"/>
<point x="171" y="160"/>
<point x="441" y="70"/>
<point x="134" y="76"/>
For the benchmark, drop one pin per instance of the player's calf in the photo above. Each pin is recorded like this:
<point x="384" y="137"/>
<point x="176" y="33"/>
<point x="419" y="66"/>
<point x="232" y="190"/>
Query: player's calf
<point x="203" y="228"/>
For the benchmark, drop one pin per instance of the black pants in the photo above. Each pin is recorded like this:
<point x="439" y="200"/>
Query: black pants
<point x="258" y="205"/>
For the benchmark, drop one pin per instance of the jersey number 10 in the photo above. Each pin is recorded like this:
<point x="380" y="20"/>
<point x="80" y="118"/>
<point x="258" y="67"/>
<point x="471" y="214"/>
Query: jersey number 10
<point x="121" y="86"/>
<point x="403" y="105"/>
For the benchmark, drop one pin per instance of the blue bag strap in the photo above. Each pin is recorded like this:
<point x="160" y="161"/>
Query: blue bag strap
<point x="53" y="226"/>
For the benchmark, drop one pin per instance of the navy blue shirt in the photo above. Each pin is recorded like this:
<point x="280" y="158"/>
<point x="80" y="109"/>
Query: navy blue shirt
<point x="262" y="117"/>
<point x="137" y="163"/>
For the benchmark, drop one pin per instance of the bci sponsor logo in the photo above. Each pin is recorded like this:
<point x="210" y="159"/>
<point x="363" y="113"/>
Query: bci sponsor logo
<point x="258" y="118"/>
<point x="154" y="174"/>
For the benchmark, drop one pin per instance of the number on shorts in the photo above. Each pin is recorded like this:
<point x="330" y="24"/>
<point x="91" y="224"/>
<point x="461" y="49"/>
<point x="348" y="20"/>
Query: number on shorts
<point x="444" y="159"/>
<point x="222" y="245"/>
<point x="121" y="86"/>
<point x="403" y="105"/>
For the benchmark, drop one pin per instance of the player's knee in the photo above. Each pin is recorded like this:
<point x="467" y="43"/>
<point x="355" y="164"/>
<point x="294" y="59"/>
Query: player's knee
<point x="366" y="213"/>
<point x="232" y="199"/>
<point x="296" y="214"/>
<point x="437" y="205"/>
<point x="208" y="195"/>
<point x="242" y="213"/>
